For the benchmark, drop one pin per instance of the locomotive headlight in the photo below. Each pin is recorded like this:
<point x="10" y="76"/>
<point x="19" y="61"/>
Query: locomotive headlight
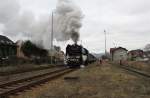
<point x="77" y="57"/>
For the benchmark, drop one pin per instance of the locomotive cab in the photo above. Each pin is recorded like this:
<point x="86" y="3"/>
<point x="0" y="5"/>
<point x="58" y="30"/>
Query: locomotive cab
<point x="84" y="56"/>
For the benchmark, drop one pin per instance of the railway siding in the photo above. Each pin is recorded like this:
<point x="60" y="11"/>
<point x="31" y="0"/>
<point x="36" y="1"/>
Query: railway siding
<point x="95" y="81"/>
<point x="13" y="86"/>
<point x="134" y="69"/>
<point x="25" y="74"/>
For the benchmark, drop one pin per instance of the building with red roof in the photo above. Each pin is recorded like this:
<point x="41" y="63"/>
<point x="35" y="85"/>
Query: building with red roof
<point x="118" y="54"/>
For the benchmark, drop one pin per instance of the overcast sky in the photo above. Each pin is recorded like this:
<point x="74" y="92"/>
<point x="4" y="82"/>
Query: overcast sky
<point x="127" y="22"/>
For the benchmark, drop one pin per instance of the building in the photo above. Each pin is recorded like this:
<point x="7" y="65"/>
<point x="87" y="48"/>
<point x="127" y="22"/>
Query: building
<point x="118" y="54"/>
<point x="146" y="55"/>
<point x="7" y="47"/>
<point x="58" y="55"/>
<point x="20" y="53"/>
<point x="136" y="55"/>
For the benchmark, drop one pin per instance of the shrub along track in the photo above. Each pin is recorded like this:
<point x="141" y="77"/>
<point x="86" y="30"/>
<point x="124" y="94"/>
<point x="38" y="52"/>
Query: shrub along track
<point x="8" y="88"/>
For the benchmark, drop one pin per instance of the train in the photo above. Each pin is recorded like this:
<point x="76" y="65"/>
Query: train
<point x="77" y="55"/>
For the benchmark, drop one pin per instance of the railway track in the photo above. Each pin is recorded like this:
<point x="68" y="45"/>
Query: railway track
<point x="28" y="70"/>
<point x="133" y="70"/>
<point x="12" y="87"/>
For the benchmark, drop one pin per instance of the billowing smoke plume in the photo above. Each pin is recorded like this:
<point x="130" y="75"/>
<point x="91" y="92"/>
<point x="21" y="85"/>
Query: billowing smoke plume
<point x="15" y="22"/>
<point x="68" y="20"/>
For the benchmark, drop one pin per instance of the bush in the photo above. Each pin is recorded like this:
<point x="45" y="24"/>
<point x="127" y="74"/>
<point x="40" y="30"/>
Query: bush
<point x="29" y="49"/>
<point x="13" y="61"/>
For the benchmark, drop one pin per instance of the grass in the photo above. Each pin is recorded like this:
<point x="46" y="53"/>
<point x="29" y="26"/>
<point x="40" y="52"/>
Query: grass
<point x="140" y="65"/>
<point x="9" y="70"/>
<point x="95" y="81"/>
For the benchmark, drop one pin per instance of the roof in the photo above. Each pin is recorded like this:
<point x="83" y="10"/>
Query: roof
<point x="114" y="49"/>
<point x="147" y="53"/>
<point x="138" y="50"/>
<point x="5" y="40"/>
<point x="136" y="53"/>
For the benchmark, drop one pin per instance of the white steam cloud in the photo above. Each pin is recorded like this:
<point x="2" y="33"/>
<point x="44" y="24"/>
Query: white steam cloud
<point x="13" y="22"/>
<point x="68" y="20"/>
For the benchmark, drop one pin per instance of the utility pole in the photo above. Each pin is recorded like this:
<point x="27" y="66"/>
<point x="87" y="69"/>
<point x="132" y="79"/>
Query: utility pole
<point x="52" y="38"/>
<point x="105" y="43"/>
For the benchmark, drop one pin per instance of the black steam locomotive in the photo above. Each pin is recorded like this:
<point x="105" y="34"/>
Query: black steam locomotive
<point x="76" y="55"/>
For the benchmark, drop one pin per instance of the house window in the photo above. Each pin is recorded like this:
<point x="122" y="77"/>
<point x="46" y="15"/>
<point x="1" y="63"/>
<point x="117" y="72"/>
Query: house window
<point x="13" y="50"/>
<point x="10" y="50"/>
<point x="1" y="53"/>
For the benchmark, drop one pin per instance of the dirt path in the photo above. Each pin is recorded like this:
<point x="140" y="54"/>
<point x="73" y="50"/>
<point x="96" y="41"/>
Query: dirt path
<point x="93" y="82"/>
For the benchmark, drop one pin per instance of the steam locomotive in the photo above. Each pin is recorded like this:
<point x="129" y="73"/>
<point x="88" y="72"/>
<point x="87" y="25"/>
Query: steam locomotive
<point x="76" y="55"/>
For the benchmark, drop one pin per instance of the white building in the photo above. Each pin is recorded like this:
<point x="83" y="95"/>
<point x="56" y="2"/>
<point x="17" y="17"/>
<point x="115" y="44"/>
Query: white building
<point x="118" y="54"/>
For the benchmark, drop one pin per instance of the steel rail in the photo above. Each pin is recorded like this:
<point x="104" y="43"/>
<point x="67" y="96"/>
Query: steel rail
<point x="13" y="87"/>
